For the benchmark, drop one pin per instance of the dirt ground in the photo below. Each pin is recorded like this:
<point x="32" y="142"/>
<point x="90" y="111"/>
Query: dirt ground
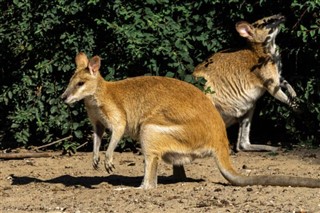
<point x="70" y="184"/>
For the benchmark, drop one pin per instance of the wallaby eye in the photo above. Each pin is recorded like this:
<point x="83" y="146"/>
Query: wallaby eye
<point x="80" y="83"/>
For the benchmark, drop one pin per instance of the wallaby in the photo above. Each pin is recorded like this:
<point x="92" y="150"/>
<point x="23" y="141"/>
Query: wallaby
<point x="173" y="120"/>
<point x="240" y="77"/>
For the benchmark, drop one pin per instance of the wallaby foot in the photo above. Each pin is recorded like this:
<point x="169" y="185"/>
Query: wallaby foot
<point x="122" y="188"/>
<point x="146" y="186"/>
<point x="256" y="147"/>
<point x="150" y="178"/>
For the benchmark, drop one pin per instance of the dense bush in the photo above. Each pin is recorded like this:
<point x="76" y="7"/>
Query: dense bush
<point x="300" y="53"/>
<point x="152" y="37"/>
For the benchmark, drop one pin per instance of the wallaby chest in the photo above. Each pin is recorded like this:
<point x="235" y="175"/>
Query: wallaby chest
<point x="114" y="111"/>
<point x="99" y="112"/>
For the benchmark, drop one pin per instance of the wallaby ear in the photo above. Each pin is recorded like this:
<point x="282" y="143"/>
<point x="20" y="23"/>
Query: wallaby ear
<point x="81" y="60"/>
<point x="94" y="65"/>
<point x="244" y="29"/>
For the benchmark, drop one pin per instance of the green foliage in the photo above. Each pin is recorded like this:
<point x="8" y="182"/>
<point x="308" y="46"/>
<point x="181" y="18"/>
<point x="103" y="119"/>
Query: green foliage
<point x="300" y="52"/>
<point x="39" y="41"/>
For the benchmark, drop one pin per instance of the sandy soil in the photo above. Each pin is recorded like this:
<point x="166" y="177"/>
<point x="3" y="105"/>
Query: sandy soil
<point x="70" y="184"/>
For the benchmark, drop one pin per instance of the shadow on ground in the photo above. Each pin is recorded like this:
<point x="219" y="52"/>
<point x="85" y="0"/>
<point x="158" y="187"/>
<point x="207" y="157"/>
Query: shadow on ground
<point x="90" y="182"/>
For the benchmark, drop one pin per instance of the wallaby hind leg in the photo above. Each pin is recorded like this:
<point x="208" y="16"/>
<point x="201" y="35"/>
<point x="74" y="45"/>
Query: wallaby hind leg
<point x="243" y="142"/>
<point x="179" y="172"/>
<point x="150" y="178"/>
<point x="157" y="144"/>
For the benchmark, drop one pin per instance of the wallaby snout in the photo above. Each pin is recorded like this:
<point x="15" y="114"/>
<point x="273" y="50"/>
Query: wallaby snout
<point x="67" y="98"/>
<point x="64" y="96"/>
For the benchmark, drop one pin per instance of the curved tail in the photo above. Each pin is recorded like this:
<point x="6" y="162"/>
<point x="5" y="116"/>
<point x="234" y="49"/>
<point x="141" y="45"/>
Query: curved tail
<point x="237" y="179"/>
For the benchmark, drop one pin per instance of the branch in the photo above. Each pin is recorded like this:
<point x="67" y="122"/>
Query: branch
<point x="11" y="156"/>
<point x="299" y="20"/>
<point x="54" y="142"/>
<point x="82" y="145"/>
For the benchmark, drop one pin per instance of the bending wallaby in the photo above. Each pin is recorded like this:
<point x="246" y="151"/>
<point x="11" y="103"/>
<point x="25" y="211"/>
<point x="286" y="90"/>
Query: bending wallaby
<point x="173" y="121"/>
<point x="240" y="77"/>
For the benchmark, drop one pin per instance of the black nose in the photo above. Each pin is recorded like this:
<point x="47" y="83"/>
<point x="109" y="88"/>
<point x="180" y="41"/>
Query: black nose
<point x="64" y="96"/>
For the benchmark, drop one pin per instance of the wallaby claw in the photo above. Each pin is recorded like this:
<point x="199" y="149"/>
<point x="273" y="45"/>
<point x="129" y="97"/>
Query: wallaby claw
<point x="95" y="163"/>
<point x="295" y="105"/>
<point x="109" y="166"/>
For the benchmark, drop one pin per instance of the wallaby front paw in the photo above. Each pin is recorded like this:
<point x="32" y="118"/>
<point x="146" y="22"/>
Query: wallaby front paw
<point x="295" y="106"/>
<point x="95" y="162"/>
<point x="109" y="165"/>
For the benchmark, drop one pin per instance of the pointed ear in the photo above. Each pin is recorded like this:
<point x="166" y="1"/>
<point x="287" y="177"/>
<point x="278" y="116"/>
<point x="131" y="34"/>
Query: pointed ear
<point x="94" y="65"/>
<point x="81" y="60"/>
<point x="244" y="29"/>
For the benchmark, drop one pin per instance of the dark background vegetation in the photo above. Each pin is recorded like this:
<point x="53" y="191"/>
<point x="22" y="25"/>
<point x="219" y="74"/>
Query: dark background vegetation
<point x="39" y="41"/>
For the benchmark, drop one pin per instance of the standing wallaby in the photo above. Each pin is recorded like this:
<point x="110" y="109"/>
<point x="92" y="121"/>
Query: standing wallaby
<point x="173" y="121"/>
<point x="240" y="77"/>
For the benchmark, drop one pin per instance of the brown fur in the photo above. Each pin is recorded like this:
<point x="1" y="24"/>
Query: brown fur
<point x="240" y="77"/>
<point x="173" y="120"/>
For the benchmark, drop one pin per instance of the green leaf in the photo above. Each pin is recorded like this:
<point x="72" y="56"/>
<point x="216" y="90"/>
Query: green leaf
<point x="170" y="74"/>
<point x="78" y="134"/>
<point x="189" y="78"/>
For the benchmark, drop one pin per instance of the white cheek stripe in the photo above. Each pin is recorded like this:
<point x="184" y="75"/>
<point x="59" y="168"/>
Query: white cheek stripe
<point x="80" y="90"/>
<point x="78" y="95"/>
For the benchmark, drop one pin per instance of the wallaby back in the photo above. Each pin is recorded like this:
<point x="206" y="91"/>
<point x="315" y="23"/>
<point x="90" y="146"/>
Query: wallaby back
<point x="173" y="121"/>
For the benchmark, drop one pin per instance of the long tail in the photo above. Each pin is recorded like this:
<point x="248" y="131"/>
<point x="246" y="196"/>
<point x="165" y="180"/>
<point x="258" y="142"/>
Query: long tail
<point x="237" y="179"/>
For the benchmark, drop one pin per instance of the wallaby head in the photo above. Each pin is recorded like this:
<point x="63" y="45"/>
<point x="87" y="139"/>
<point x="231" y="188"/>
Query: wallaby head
<point x="263" y="31"/>
<point x="85" y="80"/>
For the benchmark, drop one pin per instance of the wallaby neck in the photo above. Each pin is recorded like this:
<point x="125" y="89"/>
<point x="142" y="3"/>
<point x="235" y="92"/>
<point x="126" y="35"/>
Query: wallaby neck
<point x="100" y="87"/>
<point x="265" y="53"/>
<point x="263" y="50"/>
<point x="100" y="80"/>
